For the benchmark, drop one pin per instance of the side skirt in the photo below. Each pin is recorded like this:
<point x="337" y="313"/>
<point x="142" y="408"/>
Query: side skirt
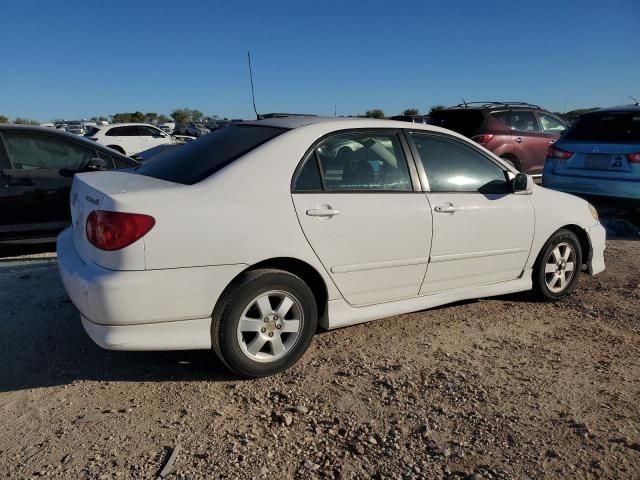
<point x="341" y="314"/>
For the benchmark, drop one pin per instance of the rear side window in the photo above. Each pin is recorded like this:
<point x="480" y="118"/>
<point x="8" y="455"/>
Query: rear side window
<point x="622" y="127"/>
<point x="28" y="152"/>
<point x="198" y="159"/>
<point x="465" y="122"/>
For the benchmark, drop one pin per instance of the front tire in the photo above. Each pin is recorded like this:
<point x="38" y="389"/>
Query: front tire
<point x="556" y="271"/>
<point x="264" y="323"/>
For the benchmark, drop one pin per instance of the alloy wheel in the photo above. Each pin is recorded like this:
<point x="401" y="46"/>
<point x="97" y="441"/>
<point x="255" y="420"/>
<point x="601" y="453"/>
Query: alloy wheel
<point x="560" y="267"/>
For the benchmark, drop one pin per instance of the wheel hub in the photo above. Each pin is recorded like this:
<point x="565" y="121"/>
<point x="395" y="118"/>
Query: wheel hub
<point x="271" y="324"/>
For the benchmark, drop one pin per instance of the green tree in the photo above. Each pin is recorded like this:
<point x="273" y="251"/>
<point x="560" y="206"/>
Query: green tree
<point x="162" y="118"/>
<point x="151" y="117"/>
<point x="4" y="119"/>
<point x="435" y="108"/>
<point x="138" y="117"/>
<point x="196" y="116"/>
<point x="121" y="118"/>
<point x="25" y="121"/>
<point x="411" y="111"/>
<point x="375" y="113"/>
<point x="180" y="115"/>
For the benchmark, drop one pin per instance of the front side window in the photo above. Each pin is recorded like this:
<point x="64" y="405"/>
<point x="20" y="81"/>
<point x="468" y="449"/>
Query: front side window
<point x="551" y="124"/>
<point x="523" y="121"/>
<point x="145" y="131"/>
<point x="198" y="159"/>
<point x="27" y="152"/>
<point x="452" y="166"/>
<point x="363" y="161"/>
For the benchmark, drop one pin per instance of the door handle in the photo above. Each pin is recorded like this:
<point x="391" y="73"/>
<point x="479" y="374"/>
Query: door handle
<point x="322" y="212"/>
<point x="446" y="208"/>
<point x="518" y="139"/>
<point x="22" y="182"/>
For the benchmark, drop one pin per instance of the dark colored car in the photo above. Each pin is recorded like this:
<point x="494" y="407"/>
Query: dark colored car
<point x="518" y="132"/>
<point x="36" y="170"/>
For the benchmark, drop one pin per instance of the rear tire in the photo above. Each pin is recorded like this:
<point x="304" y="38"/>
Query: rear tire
<point x="556" y="271"/>
<point x="264" y="323"/>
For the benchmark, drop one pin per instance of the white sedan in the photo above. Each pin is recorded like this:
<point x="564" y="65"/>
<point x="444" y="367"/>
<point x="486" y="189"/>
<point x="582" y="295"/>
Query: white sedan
<point x="246" y="240"/>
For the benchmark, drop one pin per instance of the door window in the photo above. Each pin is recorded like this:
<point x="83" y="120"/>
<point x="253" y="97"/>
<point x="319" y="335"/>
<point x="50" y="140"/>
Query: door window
<point x="358" y="161"/>
<point x="523" y="121"/>
<point x="28" y="152"/>
<point x="145" y="131"/>
<point x="452" y="166"/>
<point x="551" y="124"/>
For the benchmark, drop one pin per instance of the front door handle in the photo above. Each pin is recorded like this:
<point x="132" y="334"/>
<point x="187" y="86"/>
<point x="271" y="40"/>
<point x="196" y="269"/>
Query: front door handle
<point x="518" y="139"/>
<point x="323" y="212"/>
<point x="22" y="182"/>
<point x="446" y="208"/>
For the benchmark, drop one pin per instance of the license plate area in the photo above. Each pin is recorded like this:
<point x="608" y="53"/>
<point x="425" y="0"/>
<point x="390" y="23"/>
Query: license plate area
<point x="606" y="162"/>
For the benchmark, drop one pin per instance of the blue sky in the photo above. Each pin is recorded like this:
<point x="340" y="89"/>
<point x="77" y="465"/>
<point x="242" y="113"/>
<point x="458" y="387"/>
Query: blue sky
<point x="69" y="59"/>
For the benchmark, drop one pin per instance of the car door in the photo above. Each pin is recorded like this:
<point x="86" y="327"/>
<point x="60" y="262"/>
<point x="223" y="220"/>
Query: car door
<point x="7" y="213"/>
<point x="151" y="137"/>
<point x="482" y="232"/>
<point x="552" y="127"/>
<point x="529" y="142"/>
<point x="360" y="208"/>
<point x="38" y="194"/>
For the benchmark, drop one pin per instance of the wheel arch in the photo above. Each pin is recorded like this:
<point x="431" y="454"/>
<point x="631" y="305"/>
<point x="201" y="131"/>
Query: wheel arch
<point x="583" y="238"/>
<point x="299" y="268"/>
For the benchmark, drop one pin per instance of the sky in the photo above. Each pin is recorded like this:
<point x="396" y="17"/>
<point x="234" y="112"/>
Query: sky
<point x="77" y="59"/>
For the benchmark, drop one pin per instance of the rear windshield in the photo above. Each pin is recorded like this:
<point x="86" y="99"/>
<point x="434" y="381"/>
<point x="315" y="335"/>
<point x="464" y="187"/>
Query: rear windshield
<point x="607" y="127"/>
<point x="198" y="159"/>
<point x="465" y="122"/>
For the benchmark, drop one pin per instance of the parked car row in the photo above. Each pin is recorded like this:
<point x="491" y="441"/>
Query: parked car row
<point x="361" y="219"/>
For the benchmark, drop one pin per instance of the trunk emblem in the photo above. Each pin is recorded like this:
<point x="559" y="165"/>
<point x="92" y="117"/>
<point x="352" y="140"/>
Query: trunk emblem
<point x="94" y="201"/>
<point x="596" y="149"/>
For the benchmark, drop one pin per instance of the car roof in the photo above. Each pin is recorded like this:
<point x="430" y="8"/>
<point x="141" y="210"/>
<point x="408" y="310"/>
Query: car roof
<point x="128" y="124"/>
<point x="54" y="132"/>
<point x="622" y="108"/>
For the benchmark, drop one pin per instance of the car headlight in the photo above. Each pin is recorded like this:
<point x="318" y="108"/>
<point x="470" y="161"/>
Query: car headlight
<point x="594" y="212"/>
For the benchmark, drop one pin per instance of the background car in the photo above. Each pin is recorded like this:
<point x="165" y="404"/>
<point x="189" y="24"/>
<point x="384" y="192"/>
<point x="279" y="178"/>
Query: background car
<point x="599" y="155"/>
<point x="37" y="165"/>
<point x="360" y="219"/>
<point x="196" y="130"/>
<point x="129" y="138"/>
<point x="518" y="132"/>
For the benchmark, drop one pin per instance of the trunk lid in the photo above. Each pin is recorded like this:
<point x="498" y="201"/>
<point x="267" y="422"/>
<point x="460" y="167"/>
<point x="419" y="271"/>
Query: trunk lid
<point x="96" y="191"/>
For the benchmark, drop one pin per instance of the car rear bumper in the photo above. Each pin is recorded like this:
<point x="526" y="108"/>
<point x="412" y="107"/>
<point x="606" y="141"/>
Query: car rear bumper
<point x="591" y="185"/>
<point x="143" y="303"/>
<point x="597" y="238"/>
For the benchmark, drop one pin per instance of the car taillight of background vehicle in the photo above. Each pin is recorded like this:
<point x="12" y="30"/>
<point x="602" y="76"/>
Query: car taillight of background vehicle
<point x="558" y="153"/>
<point x="482" y="139"/>
<point x="115" y="230"/>
<point x="634" y="157"/>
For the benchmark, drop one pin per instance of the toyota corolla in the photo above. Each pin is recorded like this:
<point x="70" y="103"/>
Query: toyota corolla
<point x="248" y="239"/>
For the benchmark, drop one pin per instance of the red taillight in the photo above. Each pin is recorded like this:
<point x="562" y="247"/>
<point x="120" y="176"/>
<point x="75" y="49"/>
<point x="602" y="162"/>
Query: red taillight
<point x="558" y="153"/>
<point x="634" y="157"/>
<point x="482" y="139"/>
<point x="116" y="230"/>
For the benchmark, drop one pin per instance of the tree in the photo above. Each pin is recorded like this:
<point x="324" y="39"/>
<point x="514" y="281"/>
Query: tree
<point x="411" y="111"/>
<point x="4" y="119"/>
<point x="25" y="121"/>
<point x="196" y="116"/>
<point x="162" y="118"/>
<point x="435" y="108"/>
<point x="180" y="115"/>
<point x="151" y="117"/>
<point x="375" y="113"/>
<point x="121" y="118"/>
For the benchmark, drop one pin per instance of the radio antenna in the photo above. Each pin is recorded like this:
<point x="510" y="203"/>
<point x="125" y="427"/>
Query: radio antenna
<point x="253" y="96"/>
<point x="635" y="100"/>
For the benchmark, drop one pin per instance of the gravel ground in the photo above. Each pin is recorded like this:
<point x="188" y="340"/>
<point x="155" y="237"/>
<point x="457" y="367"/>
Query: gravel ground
<point x="496" y="388"/>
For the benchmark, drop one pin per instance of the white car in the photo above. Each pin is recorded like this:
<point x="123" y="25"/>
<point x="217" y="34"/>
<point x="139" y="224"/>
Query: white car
<point x="246" y="239"/>
<point x="129" y="138"/>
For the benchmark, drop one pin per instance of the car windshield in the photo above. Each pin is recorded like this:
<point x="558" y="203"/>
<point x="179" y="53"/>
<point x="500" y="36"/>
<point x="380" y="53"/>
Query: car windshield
<point x="196" y="160"/>
<point x="607" y="127"/>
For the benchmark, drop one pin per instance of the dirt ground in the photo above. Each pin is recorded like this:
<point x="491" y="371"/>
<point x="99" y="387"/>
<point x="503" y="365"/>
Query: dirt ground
<point x="496" y="388"/>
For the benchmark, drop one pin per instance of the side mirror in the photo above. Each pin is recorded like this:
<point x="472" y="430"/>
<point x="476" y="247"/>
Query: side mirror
<point x="95" y="164"/>
<point x="522" y="184"/>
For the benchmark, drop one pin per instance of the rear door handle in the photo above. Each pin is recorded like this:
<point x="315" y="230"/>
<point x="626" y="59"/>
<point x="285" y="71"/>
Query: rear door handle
<point x="518" y="139"/>
<point x="446" y="208"/>
<point x="322" y="212"/>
